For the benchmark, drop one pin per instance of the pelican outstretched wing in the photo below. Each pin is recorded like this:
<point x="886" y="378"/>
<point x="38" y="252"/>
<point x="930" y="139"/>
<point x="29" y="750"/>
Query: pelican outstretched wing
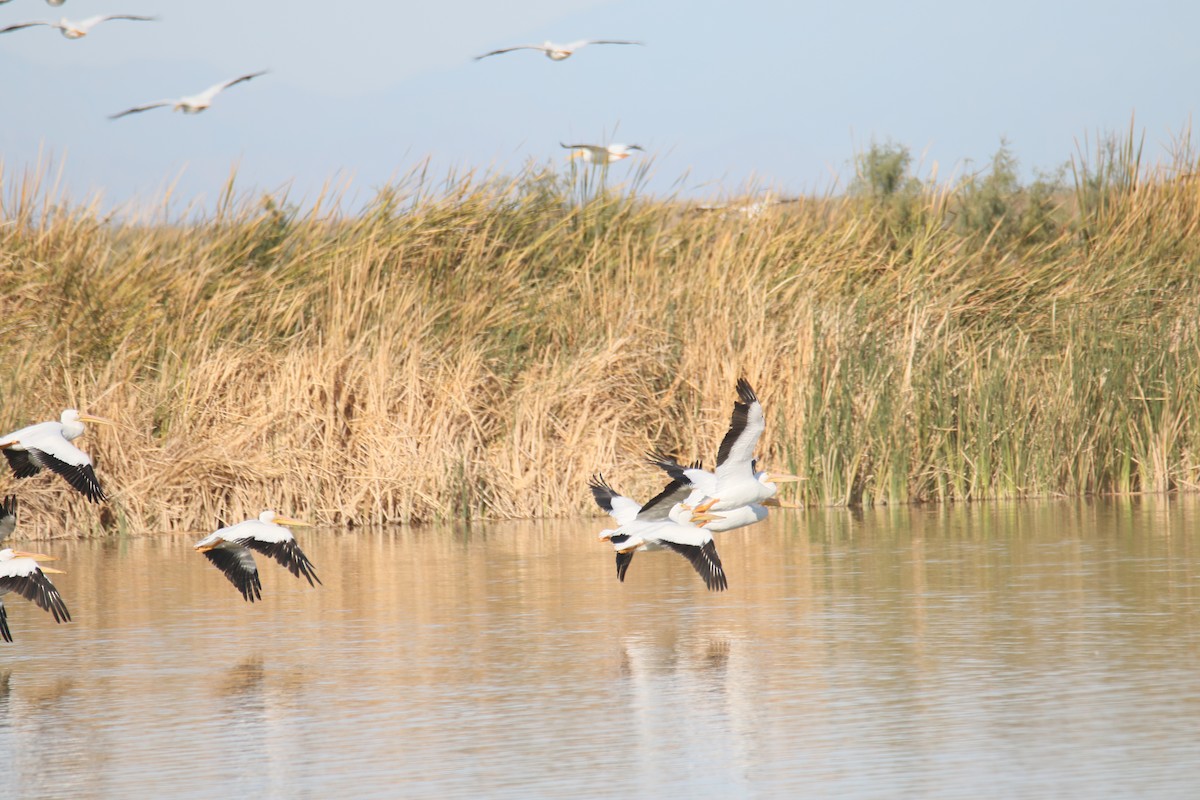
<point x="621" y="508"/>
<point x="704" y="560"/>
<point x="20" y="25"/>
<point x="287" y="553"/>
<point x="237" y="563"/>
<point x="140" y="109"/>
<point x="8" y="516"/>
<point x="81" y="476"/>
<point x="510" y="49"/>
<point x="745" y="427"/>
<point x="215" y="89"/>
<point x="34" y="586"/>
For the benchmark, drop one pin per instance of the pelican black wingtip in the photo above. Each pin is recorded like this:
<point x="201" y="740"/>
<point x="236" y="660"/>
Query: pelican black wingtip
<point x="746" y="392"/>
<point x="667" y="463"/>
<point x="672" y="466"/>
<point x="602" y="493"/>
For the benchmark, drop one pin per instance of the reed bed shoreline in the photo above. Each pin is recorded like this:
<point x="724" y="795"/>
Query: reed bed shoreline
<point x="478" y="350"/>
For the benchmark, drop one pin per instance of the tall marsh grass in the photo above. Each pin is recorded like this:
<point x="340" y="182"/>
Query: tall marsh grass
<point x="479" y="349"/>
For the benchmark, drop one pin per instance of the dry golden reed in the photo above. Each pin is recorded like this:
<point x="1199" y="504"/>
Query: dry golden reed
<point x="480" y="350"/>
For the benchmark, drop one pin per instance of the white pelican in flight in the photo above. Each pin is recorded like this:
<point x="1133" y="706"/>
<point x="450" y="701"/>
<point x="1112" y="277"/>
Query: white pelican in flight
<point x="601" y="153"/>
<point x="191" y="104"/>
<point x="662" y="524"/>
<point x="8" y="516"/>
<point x="21" y="573"/>
<point x="229" y="550"/>
<point x="749" y="210"/>
<point x="730" y="518"/>
<point x="735" y="482"/>
<point x="47" y="445"/>
<point x="76" y="29"/>
<point x="556" y="52"/>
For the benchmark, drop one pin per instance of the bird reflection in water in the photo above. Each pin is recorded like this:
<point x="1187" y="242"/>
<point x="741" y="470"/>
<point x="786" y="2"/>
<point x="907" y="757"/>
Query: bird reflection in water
<point x="243" y="679"/>
<point x="703" y="656"/>
<point x="43" y="697"/>
<point x="247" y="682"/>
<point x="691" y="683"/>
<point x="716" y="656"/>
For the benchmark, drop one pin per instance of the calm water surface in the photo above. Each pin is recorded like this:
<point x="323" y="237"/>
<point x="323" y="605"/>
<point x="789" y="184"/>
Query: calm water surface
<point x="1045" y="650"/>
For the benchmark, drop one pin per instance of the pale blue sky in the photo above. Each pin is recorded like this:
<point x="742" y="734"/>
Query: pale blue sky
<point x="724" y="93"/>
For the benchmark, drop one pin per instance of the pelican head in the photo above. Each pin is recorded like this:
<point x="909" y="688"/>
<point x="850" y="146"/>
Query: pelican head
<point x="71" y="416"/>
<point x="70" y="31"/>
<point x="8" y="554"/>
<point x="72" y="423"/>
<point x="772" y="478"/>
<point x="271" y="518"/>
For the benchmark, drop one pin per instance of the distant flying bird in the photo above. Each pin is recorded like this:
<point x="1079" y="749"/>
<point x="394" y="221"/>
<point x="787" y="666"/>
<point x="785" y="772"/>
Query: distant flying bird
<point x="661" y="524"/>
<point x="229" y="550"/>
<point x="601" y="153"/>
<point x="749" y="210"/>
<point x="21" y="573"/>
<point x="735" y="482"/>
<point x="556" y="52"/>
<point x="79" y="29"/>
<point x="8" y="517"/>
<point x="47" y="445"/>
<point x="191" y="104"/>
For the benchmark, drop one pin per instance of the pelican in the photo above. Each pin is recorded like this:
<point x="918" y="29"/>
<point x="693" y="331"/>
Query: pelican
<point x="21" y="573"/>
<point x="661" y="524"/>
<point x="749" y="210"/>
<point x="735" y="482"/>
<point x="191" y="104"/>
<point x="601" y="153"/>
<point x="731" y="518"/>
<point x="556" y="52"/>
<point x="77" y="29"/>
<point x="47" y="445"/>
<point x="8" y="516"/>
<point x="229" y="550"/>
<point x="621" y="508"/>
